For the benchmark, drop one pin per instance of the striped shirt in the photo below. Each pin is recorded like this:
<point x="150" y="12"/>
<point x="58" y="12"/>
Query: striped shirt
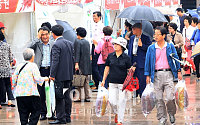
<point x="46" y="55"/>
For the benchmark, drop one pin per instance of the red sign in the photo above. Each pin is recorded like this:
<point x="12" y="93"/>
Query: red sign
<point x="157" y="3"/>
<point x="167" y="2"/>
<point x="12" y="6"/>
<point x="112" y="4"/>
<point x="57" y="2"/>
<point x="175" y="2"/>
<point x="128" y="3"/>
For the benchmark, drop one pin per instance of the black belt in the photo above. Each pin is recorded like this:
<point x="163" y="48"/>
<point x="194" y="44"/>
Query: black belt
<point x="134" y="54"/>
<point x="163" y="70"/>
<point x="46" y="67"/>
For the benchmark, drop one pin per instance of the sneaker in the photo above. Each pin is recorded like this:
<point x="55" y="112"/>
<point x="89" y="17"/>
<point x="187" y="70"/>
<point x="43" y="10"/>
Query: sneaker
<point x="186" y="75"/>
<point x="198" y="79"/>
<point x="172" y="119"/>
<point x="162" y="122"/>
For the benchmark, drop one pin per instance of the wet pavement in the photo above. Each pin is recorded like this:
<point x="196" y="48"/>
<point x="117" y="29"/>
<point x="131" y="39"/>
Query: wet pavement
<point x="83" y="113"/>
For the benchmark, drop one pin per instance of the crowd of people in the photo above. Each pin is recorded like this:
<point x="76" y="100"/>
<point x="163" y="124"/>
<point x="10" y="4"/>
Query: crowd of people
<point x="51" y="57"/>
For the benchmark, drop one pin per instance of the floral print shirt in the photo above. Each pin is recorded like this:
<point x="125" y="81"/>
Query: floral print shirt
<point x="5" y="60"/>
<point x="26" y="82"/>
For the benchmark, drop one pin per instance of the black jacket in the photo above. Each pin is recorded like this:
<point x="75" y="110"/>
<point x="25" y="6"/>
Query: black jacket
<point x="82" y="56"/>
<point x="62" y="60"/>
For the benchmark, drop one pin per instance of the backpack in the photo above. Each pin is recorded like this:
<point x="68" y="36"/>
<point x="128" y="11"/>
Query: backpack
<point x="107" y="48"/>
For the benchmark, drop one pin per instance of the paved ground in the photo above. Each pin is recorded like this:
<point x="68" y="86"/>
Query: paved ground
<point x="84" y="113"/>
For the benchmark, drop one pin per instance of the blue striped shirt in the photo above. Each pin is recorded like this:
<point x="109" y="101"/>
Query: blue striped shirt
<point x="46" y="55"/>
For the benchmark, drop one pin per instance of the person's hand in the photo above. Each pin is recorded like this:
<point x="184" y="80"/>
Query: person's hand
<point x="184" y="51"/>
<point x="139" y="42"/>
<point x="51" y="78"/>
<point x="102" y="83"/>
<point x="39" y="34"/>
<point x="94" y="42"/>
<point x="76" y="66"/>
<point x="46" y="79"/>
<point x="133" y="68"/>
<point x="148" y="79"/>
<point x="179" y="76"/>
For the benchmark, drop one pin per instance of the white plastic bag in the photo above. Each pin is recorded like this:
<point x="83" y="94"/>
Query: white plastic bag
<point x="181" y="95"/>
<point x="148" y="99"/>
<point x="48" y="99"/>
<point x="102" y="101"/>
<point x="52" y="94"/>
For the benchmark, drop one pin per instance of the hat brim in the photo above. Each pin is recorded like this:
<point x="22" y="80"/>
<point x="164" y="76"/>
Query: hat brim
<point x="116" y="42"/>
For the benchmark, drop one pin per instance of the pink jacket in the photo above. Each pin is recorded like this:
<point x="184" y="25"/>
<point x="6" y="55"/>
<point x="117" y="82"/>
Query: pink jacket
<point x="98" y="49"/>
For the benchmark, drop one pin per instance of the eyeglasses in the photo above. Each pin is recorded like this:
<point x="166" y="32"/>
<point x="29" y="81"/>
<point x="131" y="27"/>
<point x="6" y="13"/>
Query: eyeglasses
<point x="157" y="34"/>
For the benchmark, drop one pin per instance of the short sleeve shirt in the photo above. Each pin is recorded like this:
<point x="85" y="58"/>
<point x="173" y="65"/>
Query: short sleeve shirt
<point x="118" y="67"/>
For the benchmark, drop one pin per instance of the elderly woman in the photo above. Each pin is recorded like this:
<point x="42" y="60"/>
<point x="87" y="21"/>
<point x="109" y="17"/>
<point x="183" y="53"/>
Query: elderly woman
<point x="176" y="38"/>
<point x="117" y="65"/>
<point x="5" y="71"/>
<point x="25" y="80"/>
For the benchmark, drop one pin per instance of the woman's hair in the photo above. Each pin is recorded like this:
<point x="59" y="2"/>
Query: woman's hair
<point x="28" y="54"/>
<point x="107" y="30"/>
<point x="174" y="26"/>
<point x="198" y="21"/>
<point x="2" y="37"/>
<point x="127" y="24"/>
<point x="189" y="19"/>
<point x="80" y="31"/>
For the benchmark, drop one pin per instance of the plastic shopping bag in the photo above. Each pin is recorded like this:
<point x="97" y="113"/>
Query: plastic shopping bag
<point x="181" y="95"/>
<point x="148" y="99"/>
<point x="48" y="99"/>
<point x="102" y="101"/>
<point x="52" y="94"/>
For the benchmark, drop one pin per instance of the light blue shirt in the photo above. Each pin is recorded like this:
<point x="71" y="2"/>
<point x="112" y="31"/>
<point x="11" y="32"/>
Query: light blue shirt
<point x="46" y="55"/>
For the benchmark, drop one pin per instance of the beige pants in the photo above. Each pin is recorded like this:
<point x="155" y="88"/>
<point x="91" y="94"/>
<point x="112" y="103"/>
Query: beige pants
<point x="85" y="89"/>
<point x="163" y="81"/>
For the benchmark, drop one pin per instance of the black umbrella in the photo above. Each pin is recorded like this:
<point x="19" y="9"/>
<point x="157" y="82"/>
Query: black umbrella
<point x="68" y="33"/>
<point x="142" y="13"/>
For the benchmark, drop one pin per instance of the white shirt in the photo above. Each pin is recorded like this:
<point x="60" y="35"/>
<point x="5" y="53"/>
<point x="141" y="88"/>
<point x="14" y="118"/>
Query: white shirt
<point x="189" y="32"/>
<point x="97" y="33"/>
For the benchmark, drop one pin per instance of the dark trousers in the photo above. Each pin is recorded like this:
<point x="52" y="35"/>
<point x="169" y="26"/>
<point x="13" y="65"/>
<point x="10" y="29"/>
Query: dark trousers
<point x="44" y="72"/>
<point x="29" y="107"/>
<point x="139" y="73"/>
<point x="196" y="63"/>
<point x="5" y="87"/>
<point x="64" y="106"/>
<point x="101" y="71"/>
<point x="95" y="69"/>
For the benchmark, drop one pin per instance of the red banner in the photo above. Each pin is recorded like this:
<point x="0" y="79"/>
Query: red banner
<point x="12" y="6"/>
<point x="175" y="2"/>
<point x="88" y="1"/>
<point x="57" y="2"/>
<point x="157" y="3"/>
<point x="146" y="2"/>
<point x="112" y="4"/>
<point x="128" y="3"/>
<point x="167" y="2"/>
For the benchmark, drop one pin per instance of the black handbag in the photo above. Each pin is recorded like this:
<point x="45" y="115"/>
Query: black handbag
<point x="59" y="89"/>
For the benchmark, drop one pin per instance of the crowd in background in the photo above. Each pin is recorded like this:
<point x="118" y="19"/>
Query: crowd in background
<point x="57" y="59"/>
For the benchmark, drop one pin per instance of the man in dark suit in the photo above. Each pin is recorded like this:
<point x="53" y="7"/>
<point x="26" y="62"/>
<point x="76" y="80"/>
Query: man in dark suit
<point x="42" y="47"/>
<point x="61" y="70"/>
<point x="138" y="45"/>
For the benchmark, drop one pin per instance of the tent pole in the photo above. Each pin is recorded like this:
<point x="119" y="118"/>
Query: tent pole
<point x="32" y="18"/>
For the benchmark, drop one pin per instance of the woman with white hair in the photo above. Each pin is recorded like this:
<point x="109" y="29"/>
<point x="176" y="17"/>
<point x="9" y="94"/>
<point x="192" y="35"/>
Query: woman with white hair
<point x="25" y="80"/>
<point x="117" y="65"/>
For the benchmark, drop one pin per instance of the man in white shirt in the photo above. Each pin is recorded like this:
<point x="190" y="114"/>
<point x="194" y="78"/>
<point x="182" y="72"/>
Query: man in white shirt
<point x="97" y="35"/>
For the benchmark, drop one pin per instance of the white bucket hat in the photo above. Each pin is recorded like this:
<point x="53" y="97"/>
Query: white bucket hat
<point x="120" y="41"/>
